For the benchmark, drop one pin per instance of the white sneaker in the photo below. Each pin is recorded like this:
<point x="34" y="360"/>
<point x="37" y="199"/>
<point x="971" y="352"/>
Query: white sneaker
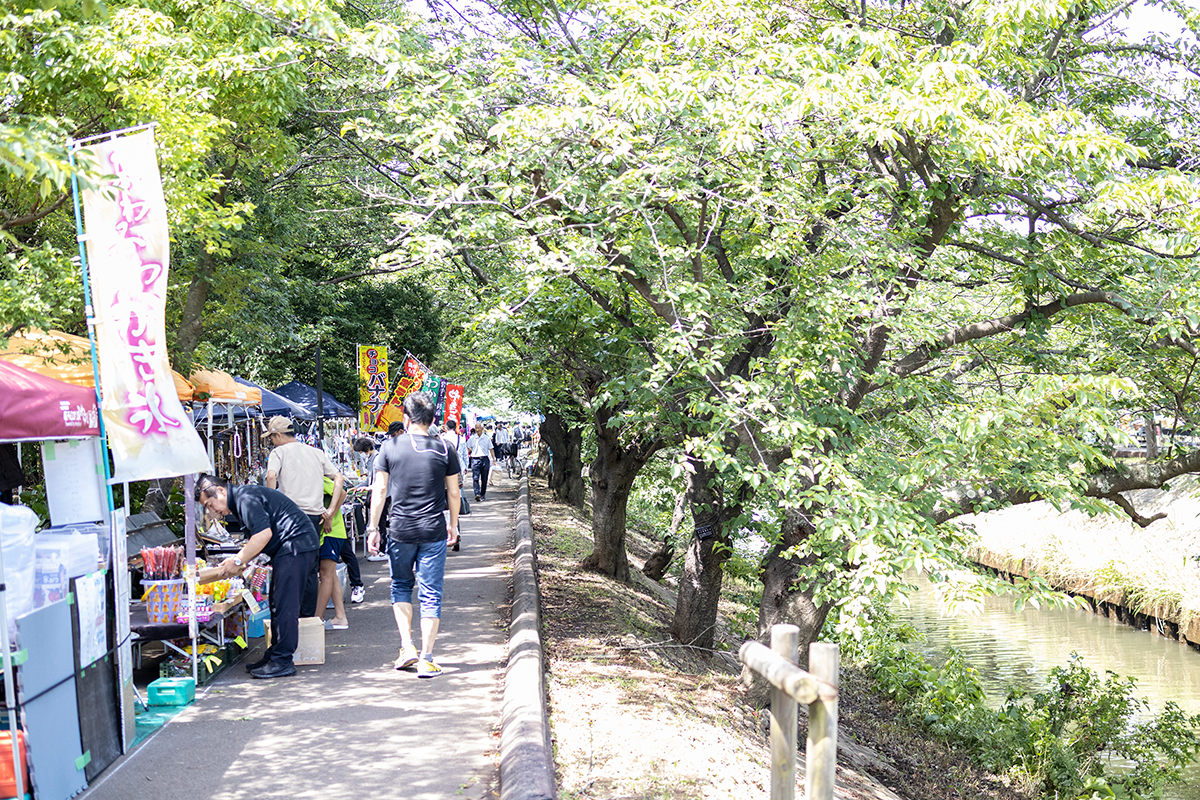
<point x="377" y="557"/>
<point x="358" y="594"/>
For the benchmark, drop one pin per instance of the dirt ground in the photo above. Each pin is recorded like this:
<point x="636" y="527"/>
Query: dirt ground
<point x="634" y="715"/>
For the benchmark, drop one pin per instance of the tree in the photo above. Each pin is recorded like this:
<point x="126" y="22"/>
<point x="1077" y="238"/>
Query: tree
<point x="881" y="265"/>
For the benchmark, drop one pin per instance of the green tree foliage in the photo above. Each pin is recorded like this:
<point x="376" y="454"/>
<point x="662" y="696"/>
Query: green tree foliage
<point x="214" y="78"/>
<point x="887" y="264"/>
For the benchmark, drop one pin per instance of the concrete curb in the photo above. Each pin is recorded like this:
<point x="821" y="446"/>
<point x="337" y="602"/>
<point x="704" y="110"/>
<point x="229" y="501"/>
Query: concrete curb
<point x="526" y="760"/>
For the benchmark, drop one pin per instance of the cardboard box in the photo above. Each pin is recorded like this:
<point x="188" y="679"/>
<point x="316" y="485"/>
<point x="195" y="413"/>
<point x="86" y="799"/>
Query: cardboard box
<point x="311" y="649"/>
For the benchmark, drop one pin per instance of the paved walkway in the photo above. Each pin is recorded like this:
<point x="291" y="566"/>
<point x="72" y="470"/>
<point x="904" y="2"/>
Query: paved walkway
<point x="353" y="728"/>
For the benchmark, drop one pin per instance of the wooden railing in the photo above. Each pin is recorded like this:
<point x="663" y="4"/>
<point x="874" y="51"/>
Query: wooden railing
<point x="790" y="684"/>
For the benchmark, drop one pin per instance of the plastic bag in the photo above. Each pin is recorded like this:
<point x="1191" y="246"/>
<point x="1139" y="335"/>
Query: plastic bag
<point x="17" y="524"/>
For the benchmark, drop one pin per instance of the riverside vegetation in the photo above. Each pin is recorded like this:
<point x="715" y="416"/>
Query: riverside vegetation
<point x="634" y="714"/>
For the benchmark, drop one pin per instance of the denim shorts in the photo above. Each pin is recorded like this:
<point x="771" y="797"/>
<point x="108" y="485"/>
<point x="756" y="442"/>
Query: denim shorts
<point x="422" y="564"/>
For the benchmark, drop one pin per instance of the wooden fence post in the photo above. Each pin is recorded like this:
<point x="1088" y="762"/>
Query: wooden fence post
<point x="785" y="642"/>
<point x="821" y="772"/>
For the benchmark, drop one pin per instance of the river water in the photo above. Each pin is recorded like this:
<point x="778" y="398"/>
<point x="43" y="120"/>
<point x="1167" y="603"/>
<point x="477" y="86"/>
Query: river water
<point x="1019" y="648"/>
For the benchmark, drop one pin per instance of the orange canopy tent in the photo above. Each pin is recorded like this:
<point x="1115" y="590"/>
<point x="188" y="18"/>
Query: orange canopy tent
<point x="66" y="358"/>
<point x="220" y="386"/>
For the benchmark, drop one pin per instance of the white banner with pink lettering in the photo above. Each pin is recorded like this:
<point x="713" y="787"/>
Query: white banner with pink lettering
<point x="128" y="255"/>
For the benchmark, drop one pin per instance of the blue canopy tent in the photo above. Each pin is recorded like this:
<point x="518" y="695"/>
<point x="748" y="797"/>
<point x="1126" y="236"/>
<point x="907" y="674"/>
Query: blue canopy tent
<point x="273" y="405"/>
<point x="306" y="396"/>
<point x="276" y="405"/>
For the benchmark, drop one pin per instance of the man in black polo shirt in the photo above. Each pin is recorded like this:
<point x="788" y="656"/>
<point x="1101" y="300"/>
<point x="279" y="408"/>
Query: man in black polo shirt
<point x="285" y="534"/>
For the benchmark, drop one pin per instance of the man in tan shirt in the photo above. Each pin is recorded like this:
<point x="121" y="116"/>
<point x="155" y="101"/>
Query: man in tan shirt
<point x="299" y="471"/>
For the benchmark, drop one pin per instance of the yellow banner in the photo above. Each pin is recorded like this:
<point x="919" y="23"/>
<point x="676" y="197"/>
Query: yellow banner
<point x="372" y="386"/>
<point x="128" y="256"/>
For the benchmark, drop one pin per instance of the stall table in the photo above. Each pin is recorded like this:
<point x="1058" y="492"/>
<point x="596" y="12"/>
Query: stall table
<point x="211" y="632"/>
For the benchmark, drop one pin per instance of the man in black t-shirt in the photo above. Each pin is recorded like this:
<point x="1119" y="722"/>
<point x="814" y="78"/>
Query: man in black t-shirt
<point x="279" y="529"/>
<point x="419" y="473"/>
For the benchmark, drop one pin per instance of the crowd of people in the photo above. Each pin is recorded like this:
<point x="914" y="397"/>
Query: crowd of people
<point x="414" y="479"/>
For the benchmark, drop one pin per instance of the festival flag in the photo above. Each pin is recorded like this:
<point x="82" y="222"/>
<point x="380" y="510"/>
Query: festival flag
<point x="393" y="411"/>
<point x="440" y="411"/>
<point x="128" y="254"/>
<point x="372" y="386"/>
<point x="454" y="401"/>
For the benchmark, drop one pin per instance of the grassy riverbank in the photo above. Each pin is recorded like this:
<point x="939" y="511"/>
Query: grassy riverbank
<point x="634" y="715"/>
<point x="1152" y="570"/>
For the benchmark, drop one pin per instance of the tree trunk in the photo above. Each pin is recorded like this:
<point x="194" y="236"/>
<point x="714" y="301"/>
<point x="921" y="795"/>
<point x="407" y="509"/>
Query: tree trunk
<point x="783" y="603"/>
<point x="612" y="475"/>
<point x="158" y="492"/>
<point x="565" y="446"/>
<point x="695" y="620"/>
<point x="191" y="322"/>
<point x="1151" y="430"/>
<point x="659" y="562"/>
<point x="542" y="465"/>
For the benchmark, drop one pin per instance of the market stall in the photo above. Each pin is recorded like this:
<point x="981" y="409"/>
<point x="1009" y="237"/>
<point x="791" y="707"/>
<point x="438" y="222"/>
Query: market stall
<point x="56" y="587"/>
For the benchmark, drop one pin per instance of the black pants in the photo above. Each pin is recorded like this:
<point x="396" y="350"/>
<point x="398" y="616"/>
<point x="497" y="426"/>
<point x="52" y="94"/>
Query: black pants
<point x="480" y="467"/>
<point x="351" y="562"/>
<point x="308" y="605"/>
<point x="289" y="574"/>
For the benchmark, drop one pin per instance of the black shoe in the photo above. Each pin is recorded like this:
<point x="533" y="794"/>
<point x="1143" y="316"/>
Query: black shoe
<point x="262" y="662"/>
<point x="274" y="671"/>
<point x="454" y="547"/>
<point x="476" y="498"/>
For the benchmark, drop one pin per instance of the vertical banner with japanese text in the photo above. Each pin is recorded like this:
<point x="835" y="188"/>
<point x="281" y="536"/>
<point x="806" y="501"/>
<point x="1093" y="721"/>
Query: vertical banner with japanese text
<point x="454" y="401"/>
<point x="372" y="386"/>
<point x="440" y="413"/>
<point x="412" y="376"/>
<point x="128" y="258"/>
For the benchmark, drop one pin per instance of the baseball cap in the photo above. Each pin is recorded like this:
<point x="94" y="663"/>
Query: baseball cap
<point x="278" y="425"/>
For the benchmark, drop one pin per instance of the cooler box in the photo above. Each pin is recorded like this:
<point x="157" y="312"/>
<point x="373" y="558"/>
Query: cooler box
<point x="171" y="692"/>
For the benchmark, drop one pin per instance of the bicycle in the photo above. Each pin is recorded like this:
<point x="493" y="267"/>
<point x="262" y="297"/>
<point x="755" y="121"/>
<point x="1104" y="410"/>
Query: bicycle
<point x="510" y="460"/>
<point x="522" y="459"/>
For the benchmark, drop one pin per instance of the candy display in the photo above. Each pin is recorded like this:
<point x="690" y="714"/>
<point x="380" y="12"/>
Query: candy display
<point x="162" y="563"/>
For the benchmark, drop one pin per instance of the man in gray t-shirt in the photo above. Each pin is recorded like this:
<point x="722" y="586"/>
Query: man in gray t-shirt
<point x="299" y="471"/>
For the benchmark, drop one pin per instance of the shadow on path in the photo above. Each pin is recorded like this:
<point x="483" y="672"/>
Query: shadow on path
<point x="353" y="728"/>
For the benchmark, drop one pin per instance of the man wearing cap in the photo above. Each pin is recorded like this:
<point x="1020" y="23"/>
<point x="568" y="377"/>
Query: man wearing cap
<point x="284" y="533"/>
<point x="299" y="471"/>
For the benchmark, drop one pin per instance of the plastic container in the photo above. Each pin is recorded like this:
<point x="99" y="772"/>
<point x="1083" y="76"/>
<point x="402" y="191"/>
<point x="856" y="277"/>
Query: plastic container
<point x="164" y="599"/>
<point x="58" y="557"/>
<point x="171" y="691"/>
<point x="255" y="624"/>
<point x="98" y="531"/>
<point x="8" y="785"/>
<point x="17" y="524"/>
